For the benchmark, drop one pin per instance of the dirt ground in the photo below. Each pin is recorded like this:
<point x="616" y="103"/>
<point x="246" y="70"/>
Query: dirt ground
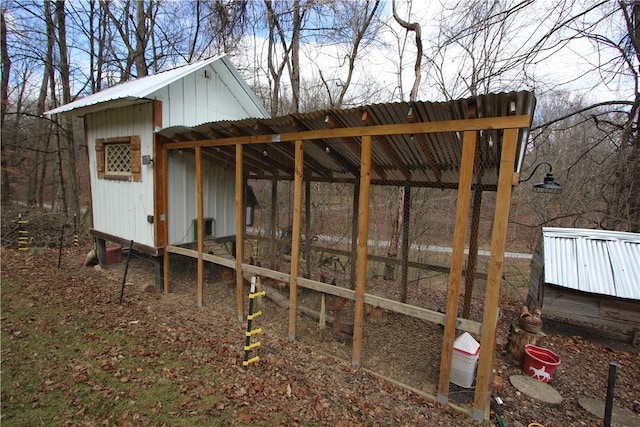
<point x="407" y="350"/>
<point x="403" y="349"/>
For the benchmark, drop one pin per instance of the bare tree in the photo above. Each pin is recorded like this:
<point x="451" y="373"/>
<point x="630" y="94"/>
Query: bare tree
<point x="417" y="30"/>
<point x="4" y="101"/>
<point x="398" y="219"/>
<point x="354" y="27"/>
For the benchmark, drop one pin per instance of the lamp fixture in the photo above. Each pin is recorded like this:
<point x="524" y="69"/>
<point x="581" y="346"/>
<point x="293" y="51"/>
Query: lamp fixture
<point x="147" y="160"/>
<point x="549" y="184"/>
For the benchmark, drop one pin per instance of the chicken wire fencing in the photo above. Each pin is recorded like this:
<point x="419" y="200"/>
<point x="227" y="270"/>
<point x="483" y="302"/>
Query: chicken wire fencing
<point x="410" y="235"/>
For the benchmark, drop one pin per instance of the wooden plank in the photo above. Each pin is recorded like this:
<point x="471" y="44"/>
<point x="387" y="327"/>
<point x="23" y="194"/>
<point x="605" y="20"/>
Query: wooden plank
<point x="492" y="297"/>
<point x="265" y="272"/>
<point x="508" y="122"/>
<point x="182" y="251"/>
<point x="200" y="220"/>
<point x="239" y="233"/>
<point x="457" y="261"/>
<point x="412" y="264"/>
<point x="296" y="233"/>
<point x="624" y="311"/>
<point x="363" y="237"/>
<point x="391" y="305"/>
<point x="225" y="262"/>
<point x="159" y="179"/>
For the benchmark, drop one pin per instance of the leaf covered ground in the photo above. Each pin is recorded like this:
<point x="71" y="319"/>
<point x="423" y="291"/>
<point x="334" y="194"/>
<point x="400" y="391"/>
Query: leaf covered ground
<point x="73" y="355"/>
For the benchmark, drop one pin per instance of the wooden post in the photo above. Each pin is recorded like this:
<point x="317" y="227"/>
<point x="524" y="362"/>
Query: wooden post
<point x="159" y="179"/>
<point x="274" y="222"/>
<point x="492" y="296"/>
<point x="472" y="257"/>
<point x="295" y="239"/>
<point x="307" y="226"/>
<point x="363" y="237"/>
<point x="354" y="235"/>
<point x="406" y="217"/>
<point x="457" y="260"/>
<point x="164" y="216"/>
<point x="200" y="216"/>
<point x="239" y="234"/>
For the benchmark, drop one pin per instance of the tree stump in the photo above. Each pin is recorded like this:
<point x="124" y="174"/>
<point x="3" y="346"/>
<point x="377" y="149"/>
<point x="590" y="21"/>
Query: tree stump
<point x="518" y="338"/>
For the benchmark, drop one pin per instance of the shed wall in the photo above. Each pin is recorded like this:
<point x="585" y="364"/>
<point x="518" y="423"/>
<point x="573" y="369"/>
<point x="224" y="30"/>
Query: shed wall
<point x="120" y="208"/>
<point x="218" y="188"/>
<point x="197" y="99"/>
<point x="591" y="308"/>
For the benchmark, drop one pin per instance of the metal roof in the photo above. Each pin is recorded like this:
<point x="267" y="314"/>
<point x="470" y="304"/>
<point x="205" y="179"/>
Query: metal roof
<point x="142" y="88"/>
<point x="428" y="159"/>
<point x="595" y="261"/>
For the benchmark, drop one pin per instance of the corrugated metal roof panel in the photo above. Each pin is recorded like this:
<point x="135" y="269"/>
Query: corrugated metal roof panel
<point x="432" y="158"/>
<point x="594" y="261"/>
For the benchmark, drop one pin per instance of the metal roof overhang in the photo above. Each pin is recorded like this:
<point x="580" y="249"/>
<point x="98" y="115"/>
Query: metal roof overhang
<point x="413" y="143"/>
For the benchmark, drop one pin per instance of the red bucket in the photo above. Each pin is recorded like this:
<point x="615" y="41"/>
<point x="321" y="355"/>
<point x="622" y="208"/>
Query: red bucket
<point x="539" y="363"/>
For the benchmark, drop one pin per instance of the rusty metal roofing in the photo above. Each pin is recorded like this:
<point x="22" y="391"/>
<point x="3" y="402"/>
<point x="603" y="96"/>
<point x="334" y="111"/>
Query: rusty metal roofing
<point x="430" y="159"/>
<point x="594" y="261"/>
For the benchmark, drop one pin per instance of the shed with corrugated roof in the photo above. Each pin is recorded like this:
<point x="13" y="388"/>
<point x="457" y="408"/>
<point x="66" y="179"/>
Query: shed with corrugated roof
<point x="590" y="276"/>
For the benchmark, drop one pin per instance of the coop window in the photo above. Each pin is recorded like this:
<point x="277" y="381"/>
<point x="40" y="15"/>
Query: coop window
<point x="118" y="158"/>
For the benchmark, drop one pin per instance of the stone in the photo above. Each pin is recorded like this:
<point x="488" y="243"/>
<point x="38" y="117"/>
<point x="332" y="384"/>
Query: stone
<point x="536" y="389"/>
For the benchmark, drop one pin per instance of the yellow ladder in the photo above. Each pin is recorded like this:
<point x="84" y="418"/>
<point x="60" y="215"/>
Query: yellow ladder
<point x="248" y="346"/>
<point x="23" y="234"/>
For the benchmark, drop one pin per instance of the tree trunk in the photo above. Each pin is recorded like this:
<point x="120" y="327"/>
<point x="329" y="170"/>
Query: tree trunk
<point x="67" y="140"/>
<point x="4" y="89"/>
<point x="295" y="56"/>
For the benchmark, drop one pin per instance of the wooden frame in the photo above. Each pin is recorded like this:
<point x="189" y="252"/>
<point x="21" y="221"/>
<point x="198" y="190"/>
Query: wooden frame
<point x="506" y="179"/>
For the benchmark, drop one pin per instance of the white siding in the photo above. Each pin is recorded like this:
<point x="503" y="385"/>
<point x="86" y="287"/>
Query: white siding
<point x="195" y="99"/>
<point x="218" y="188"/>
<point x="120" y="208"/>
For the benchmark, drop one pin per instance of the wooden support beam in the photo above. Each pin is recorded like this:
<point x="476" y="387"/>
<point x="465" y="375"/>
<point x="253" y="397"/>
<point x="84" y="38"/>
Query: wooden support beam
<point x="406" y="217"/>
<point x="387" y="147"/>
<point x="200" y="220"/>
<point x="457" y="260"/>
<point x="273" y="222"/>
<point x="492" y="296"/>
<point x="165" y="217"/>
<point x="363" y="237"/>
<point x="307" y="226"/>
<point x="472" y="257"/>
<point x="295" y="239"/>
<point x="509" y="122"/>
<point x="239" y="234"/>
<point x="354" y="235"/>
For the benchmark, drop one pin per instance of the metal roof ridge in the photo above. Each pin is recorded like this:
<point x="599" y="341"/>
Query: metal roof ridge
<point x="112" y="93"/>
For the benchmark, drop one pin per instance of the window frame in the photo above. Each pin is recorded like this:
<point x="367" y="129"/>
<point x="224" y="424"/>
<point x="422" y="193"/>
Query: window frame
<point x="135" y="170"/>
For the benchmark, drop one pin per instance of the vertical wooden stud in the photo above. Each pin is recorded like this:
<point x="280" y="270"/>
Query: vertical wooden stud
<point x="492" y="296"/>
<point x="164" y="216"/>
<point x="457" y="260"/>
<point x="295" y="238"/>
<point x="200" y="220"/>
<point x="363" y="237"/>
<point x="239" y="233"/>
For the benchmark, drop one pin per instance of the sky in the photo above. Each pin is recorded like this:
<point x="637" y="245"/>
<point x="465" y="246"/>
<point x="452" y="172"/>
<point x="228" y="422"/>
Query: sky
<point x="567" y="67"/>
